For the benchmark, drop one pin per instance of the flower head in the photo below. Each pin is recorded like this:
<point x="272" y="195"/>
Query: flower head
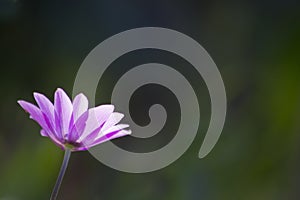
<point x="71" y="124"/>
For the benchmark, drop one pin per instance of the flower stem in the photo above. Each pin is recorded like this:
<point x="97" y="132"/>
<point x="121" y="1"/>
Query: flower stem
<point x="61" y="174"/>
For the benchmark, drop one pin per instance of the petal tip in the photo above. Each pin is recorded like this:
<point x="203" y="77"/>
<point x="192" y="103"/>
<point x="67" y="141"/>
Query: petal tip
<point x="59" y="90"/>
<point x="36" y="94"/>
<point x="22" y="103"/>
<point x="129" y="132"/>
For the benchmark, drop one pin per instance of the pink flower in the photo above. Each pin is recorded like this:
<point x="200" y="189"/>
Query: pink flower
<point x="71" y="125"/>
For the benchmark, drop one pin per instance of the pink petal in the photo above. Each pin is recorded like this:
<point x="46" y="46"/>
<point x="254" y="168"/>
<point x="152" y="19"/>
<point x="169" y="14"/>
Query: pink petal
<point x="80" y="105"/>
<point x="37" y="115"/>
<point x="52" y="137"/>
<point x="81" y="148"/>
<point x="48" y="109"/>
<point x="113" y="119"/>
<point x="97" y="116"/>
<point x="112" y="129"/>
<point x="44" y="133"/>
<point x="91" y="137"/>
<point x="108" y="136"/>
<point x="63" y="111"/>
<point x="78" y="127"/>
<point x="97" y="133"/>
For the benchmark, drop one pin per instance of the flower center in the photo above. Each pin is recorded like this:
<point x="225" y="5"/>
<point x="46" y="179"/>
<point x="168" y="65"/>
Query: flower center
<point x="69" y="146"/>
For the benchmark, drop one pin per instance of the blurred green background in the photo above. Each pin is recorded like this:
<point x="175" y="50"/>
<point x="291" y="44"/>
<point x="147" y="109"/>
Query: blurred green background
<point x="255" y="44"/>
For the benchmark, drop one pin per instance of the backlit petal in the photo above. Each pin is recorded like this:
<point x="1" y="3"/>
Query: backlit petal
<point x="78" y="127"/>
<point x="113" y="119"/>
<point x="48" y="109"/>
<point x="109" y="136"/>
<point x="112" y="129"/>
<point x="35" y="114"/>
<point x="80" y="105"/>
<point x="97" y="116"/>
<point x="63" y="111"/>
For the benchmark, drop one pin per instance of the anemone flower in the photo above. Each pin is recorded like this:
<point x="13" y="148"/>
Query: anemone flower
<point x="72" y="126"/>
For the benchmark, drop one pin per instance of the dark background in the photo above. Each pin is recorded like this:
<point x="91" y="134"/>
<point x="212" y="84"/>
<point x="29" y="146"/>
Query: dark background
<point x="256" y="47"/>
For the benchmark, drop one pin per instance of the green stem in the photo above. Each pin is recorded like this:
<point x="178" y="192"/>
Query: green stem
<point x="61" y="174"/>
